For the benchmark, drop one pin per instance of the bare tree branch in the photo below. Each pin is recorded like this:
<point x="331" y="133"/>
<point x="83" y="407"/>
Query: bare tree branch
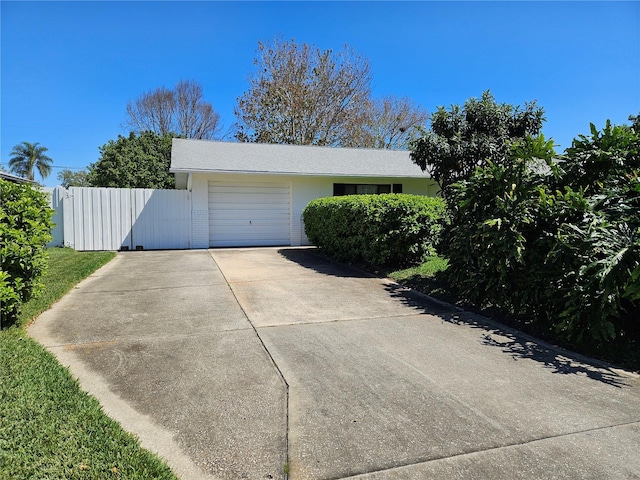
<point x="302" y="95"/>
<point x="391" y="121"/>
<point x="182" y="111"/>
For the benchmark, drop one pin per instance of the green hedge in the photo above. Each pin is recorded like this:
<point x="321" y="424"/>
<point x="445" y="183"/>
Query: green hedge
<point x="25" y="229"/>
<point x="376" y="230"/>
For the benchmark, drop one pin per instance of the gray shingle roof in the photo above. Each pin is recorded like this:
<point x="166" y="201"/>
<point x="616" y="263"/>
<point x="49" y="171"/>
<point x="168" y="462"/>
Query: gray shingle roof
<point x="14" y="178"/>
<point x="189" y="155"/>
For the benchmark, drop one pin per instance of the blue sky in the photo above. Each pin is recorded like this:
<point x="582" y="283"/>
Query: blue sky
<point x="68" y="69"/>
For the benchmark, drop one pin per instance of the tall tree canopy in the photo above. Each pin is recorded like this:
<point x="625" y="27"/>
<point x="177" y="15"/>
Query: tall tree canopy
<point x="462" y="139"/>
<point x="136" y="161"/>
<point x="181" y="110"/>
<point x="302" y="95"/>
<point x="391" y="120"/>
<point x="27" y="157"/>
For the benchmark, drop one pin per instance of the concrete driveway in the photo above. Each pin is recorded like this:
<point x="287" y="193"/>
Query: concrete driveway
<point x="245" y="363"/>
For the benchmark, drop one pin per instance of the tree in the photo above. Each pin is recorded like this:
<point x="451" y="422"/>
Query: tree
<point x="304" y="96"/>
<point x="181" y="110"/>
<point x="391" y="121"/>
<point x="136" y="161"/>
<point x="68" y="178"/>
<point x="27" y="157"/>
<point x="462" y="139"/>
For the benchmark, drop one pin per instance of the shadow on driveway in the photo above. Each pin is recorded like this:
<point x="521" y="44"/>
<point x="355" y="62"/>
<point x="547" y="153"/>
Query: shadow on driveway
<point x="511" y="341"/>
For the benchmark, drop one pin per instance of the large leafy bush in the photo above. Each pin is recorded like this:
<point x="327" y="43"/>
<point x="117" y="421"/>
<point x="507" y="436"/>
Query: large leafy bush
<point x="554" y="242"/>
<point x="25" y="229"/>
<point x="597" y="295"/>
<point x="375" y="230"/>
<point x="495" y="220"/>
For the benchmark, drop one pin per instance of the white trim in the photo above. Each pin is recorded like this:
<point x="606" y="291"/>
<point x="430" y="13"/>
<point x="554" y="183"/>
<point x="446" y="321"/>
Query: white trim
<point x="297" y="174"/>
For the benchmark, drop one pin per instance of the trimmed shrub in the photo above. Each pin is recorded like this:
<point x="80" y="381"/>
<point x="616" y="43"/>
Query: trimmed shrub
<point x="25" y="229"/>
<point x="375" y="230"/>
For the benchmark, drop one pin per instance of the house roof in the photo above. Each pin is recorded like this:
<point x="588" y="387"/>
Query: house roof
<point x="203" y="156"/>
<point x="13" y="178"/>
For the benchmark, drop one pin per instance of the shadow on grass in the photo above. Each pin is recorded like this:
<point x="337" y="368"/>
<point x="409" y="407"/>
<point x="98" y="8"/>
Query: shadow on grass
<point x="512" y="342"/>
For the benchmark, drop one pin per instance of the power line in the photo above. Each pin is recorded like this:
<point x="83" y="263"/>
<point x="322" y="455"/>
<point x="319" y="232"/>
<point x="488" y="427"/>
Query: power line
<point x="68" y="168"/>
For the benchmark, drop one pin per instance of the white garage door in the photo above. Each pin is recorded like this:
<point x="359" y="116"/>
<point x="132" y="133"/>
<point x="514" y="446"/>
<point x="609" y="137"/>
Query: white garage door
<point x="248" y="214"/>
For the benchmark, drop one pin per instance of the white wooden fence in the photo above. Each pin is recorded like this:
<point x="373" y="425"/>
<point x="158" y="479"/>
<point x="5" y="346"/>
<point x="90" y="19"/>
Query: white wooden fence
<point x="122" y="218"/>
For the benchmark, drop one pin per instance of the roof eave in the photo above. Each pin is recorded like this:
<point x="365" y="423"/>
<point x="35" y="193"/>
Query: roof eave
<point x="300" y="174"/>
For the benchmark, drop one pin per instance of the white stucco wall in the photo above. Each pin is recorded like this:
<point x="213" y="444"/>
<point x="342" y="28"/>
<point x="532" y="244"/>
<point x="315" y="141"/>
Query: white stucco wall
<point x="303" y="190"/>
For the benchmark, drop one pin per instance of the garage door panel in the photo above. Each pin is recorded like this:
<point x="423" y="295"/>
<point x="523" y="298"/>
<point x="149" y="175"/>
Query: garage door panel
<point x="262" y="205"/>
<point x="249" y="214"/>
<point x="248" y="225"/>
<point x="229" y="232"/>
<point x="244" y="214"/>
<point x="253" y="190"/>
<point x="242" y="194"/>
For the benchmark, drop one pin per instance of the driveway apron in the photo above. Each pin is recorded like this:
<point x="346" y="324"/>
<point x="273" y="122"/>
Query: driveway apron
<point x="247" y="363"/>
<point x="384" y="383"/>
<point x="160" y="340"/>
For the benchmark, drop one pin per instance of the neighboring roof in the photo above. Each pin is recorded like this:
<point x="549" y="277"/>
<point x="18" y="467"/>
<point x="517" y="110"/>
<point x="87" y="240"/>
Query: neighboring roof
<point x="13" y="178"/>
<point x="203" y="156"/>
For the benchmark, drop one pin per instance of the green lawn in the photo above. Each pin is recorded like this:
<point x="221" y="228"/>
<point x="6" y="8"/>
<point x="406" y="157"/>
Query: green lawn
<point x="424" y="278"/>
<point x="49" y="428"/>
<point x="66" y="268"/>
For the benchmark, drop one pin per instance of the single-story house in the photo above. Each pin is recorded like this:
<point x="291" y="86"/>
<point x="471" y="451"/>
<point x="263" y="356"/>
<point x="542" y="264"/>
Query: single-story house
<point x="14" y="178"/>
<point x="249" y="194"/>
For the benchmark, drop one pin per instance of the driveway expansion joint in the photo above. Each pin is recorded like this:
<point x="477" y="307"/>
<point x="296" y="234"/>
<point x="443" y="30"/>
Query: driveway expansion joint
<point x="490" y="449"/>
<point x="139" y="337"/>
<point x="349" y="320"/>
<point x="151" y="289"/>
<point x="273" y="362"/>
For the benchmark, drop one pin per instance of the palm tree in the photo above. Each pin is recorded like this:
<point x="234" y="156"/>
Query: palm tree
<point x="26" y="157"/>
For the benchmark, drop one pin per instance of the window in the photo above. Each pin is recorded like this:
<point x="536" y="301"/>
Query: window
<point x="340" y="189"/>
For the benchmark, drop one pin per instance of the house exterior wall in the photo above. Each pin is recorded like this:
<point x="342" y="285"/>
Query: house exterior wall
<point x="200" y="211"/>
<point x="303" y="189"/>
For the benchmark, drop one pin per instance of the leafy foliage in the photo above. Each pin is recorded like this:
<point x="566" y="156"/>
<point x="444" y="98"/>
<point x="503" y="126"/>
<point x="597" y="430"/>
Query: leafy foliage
<point x="600" y="248"/>
<point x="136" y="161"/>
<point x="28" y="157"/>
<point x="25" y="229"/>
<point x="69" y="178"/>
<point x="377" y="230"/>
<point x="557" y="243"/>
<point x="181" y="109"/>
<point x="462" y="139"/>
